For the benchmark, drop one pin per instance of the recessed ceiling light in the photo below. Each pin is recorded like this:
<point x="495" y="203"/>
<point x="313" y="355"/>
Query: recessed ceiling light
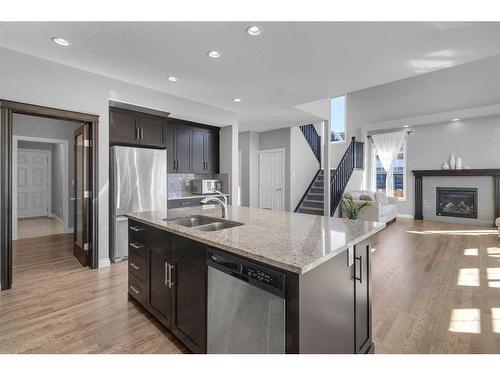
<point x="406" y="126"/>
<point x="254" y="30"/>
<point x="236" y="100"/>
<point x="172" y="79"/>
<point x="455" y="119"/>
<point x="60" y="41"/>
<point x="213" y="54"/>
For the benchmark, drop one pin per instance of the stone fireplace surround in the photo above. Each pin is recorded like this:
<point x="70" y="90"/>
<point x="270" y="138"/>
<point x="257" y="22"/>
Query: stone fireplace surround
<point x="487" y="181"/>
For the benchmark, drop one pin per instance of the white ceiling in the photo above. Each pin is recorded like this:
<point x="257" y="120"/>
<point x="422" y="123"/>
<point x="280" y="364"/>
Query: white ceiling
<point x="289" y="64"/>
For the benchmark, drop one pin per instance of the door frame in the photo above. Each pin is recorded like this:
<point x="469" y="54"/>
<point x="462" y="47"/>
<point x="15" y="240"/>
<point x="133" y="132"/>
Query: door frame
<point x="7" y="110"/>
<point x="14" y="184"/>
<point x="282" y="150"/>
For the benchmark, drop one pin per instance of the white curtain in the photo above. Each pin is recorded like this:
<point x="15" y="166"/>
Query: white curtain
<point x="387" y="146"/>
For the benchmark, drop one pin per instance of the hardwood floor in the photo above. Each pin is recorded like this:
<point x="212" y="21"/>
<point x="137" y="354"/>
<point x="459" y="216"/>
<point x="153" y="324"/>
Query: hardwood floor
<point x="436" y="288"/>
<point x="57" y="306"/>
<point x="38" y="227"/>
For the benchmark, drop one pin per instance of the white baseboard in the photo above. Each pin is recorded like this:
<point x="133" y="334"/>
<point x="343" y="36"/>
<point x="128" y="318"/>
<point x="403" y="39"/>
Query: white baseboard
<point x="405" y="216"/>
<point x="104" y="263"/>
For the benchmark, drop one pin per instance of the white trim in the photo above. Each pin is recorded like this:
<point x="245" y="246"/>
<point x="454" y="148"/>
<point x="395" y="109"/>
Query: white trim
<point x="66" y="151"/>
<point x="103" y="263"/>
<point x="405" y="216"/>
<point x="283" y="163"/>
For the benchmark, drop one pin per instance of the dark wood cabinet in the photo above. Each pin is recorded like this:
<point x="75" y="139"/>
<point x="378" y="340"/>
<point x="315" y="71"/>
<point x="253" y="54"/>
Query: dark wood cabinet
<point x="122" y="127"/>
<point x="159" y="285"/>
<point x="193" y="149"/>
<point x="173" y="284"/>
<point x="190" y="202"/>
<point x="169" y="140"/>
<point x="133" y="128"/>
<point x="151" y="131"/>
<point x="188" y="302"/>
<point x="182" y="149"/>
<point x="199" y="151"/>
<point x="212" y="153"/>
<point x="362" y="297"/>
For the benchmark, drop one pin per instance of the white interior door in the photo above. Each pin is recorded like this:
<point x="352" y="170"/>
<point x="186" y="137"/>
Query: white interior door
<point x="32" y="183"/>
<point x="271" y="180"/>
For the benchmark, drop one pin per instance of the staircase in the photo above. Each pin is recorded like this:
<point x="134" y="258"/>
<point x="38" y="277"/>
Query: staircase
<point x="312" y="201"/>
<point x="314" y="139"/>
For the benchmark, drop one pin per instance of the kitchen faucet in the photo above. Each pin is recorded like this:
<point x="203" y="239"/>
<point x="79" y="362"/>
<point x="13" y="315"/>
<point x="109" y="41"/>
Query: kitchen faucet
<point x="223" y="204"/>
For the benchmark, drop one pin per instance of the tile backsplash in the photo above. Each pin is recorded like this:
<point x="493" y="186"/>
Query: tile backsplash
<point x="179" y="184"/>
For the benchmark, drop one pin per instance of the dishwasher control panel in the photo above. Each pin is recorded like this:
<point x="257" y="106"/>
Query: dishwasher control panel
<point x="256" y="274"/>
<point x="259" y="275"/>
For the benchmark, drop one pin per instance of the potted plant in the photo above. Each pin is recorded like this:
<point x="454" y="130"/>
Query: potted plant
<point x="351" y="208"/>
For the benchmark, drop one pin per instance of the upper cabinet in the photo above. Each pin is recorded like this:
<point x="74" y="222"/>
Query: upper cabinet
<point x="135" y="128"/>
<point x="191" y="148"/>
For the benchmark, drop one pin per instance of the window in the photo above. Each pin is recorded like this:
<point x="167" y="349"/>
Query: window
<point x="337" y="119"/>
<point x="399" y="173"/>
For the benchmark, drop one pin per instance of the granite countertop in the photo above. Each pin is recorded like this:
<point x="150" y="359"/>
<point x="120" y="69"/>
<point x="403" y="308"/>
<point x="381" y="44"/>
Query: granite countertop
<point x="290" y="241"/>
<point x="192" y="196"/>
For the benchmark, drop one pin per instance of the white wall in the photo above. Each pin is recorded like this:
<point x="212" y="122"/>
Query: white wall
<point x="249" y="146"/>
<point x="36" y="81"/>
<point x="303" y="166"/>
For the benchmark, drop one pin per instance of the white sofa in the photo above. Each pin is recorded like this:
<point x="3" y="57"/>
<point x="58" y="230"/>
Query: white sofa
<point x="381" y="207"/>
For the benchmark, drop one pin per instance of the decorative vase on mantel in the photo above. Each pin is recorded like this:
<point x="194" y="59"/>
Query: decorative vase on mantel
<point x="452" y="162"/>
<point x="446" y="165"/>
<point x="459" y="163"/>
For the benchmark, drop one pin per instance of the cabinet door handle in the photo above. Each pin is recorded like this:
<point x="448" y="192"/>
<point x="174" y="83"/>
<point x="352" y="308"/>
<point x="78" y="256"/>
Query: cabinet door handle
<point x="134" y="289"/>
<point x="137" y="229"/>
<point x="134" y="266"/>
<point x="136" y="246"/>
<point x="177" y="161"/>
<point x="141" y="133"/>
<point x="360" y="278"/>
<point x="173" y="161"/>
<point x="167" y="274"/>
<point x="137" y="134"/>
<point x="170" y="268"/>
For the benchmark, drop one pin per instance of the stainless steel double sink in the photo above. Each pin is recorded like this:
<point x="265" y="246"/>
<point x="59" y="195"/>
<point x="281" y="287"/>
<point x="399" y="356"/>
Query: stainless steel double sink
<point x="204" y="223"/>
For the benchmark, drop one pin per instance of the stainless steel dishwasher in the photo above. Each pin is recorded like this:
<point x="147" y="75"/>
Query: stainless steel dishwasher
<point x="246" y="306"/>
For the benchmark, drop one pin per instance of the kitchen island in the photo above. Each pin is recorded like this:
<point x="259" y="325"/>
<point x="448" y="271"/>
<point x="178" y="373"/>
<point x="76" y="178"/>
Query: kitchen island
<point x="319" y="268"/>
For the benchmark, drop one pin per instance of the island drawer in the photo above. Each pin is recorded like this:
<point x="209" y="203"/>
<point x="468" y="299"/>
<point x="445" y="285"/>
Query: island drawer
<point x="189" y="249"/>
<point x="137" y="230"/>
<point x="137" y="289"/>
<point x="137" y="266"/>
<point x="137" y="248"/>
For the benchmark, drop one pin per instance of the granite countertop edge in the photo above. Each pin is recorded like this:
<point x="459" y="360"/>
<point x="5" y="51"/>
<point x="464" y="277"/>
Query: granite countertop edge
<point x="287" y="266"/>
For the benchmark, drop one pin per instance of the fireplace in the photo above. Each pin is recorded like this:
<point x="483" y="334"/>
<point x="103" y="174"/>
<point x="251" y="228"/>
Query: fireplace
<point x="456" y="202"/>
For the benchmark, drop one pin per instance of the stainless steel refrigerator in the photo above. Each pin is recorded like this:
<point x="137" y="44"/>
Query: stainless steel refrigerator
<point x="139" y="183"/>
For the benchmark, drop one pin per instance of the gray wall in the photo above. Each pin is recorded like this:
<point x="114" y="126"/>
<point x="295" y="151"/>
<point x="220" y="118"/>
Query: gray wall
<point x="476" y="141"/>
<point x="40" y="127"/>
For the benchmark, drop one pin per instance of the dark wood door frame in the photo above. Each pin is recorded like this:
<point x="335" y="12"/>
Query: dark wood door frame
<point x="7" y="110"/>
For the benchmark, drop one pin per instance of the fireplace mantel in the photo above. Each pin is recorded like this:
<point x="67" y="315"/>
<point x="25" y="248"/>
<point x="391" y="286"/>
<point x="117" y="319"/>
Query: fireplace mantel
<point x="420" y="174"/>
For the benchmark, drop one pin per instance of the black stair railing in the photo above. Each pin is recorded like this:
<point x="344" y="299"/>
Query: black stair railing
<point x="313" y="138"/>
<point x="353" y="159"/>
